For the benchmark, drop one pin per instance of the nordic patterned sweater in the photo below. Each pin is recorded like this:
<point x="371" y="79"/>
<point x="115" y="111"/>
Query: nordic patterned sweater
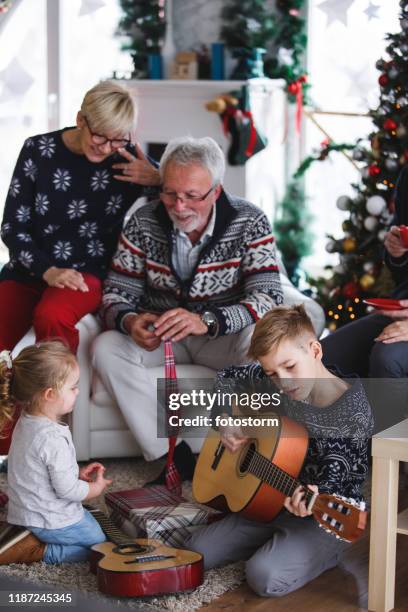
<point x="62" y="210"/>
<point x="236" y="277"/>
<point x="337" y="455"/>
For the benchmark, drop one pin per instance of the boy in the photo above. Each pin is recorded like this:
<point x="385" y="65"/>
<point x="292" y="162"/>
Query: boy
<point x="291" y="550"/>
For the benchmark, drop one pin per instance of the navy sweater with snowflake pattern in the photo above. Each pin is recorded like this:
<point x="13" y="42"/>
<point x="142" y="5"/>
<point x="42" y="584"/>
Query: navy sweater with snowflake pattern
<point x="62" y="210"/>
<point x="337" y="455"/>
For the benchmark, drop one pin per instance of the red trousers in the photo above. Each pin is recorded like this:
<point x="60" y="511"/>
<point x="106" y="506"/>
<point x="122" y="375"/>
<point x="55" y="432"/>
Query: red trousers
<point x="52" y="312"/>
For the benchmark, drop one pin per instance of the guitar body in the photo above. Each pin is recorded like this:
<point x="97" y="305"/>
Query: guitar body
<point x="221" y="480"/>
<point x="144" y="567"/>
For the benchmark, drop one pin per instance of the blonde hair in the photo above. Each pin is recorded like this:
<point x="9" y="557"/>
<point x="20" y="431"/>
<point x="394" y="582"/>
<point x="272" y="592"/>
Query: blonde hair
<point x="37" y="368"/>
<point x="279" y="324"/>
<point x="108" y="107"/>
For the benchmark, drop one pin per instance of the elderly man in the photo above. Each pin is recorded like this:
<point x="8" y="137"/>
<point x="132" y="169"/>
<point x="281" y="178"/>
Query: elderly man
<point x="197" y="267"/>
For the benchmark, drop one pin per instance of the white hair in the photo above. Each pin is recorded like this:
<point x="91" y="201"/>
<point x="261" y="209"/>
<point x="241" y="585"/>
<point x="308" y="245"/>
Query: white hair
<point x="203" y="151"/>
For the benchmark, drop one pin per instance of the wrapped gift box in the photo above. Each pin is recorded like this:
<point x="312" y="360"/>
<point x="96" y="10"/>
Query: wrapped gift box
<point x="155" y="512"/>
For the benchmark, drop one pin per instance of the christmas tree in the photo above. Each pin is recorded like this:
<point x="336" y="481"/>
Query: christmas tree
<point x="293" y="238"/>
<point x="361" y="273"/>
<point x="247" y="24"/>
<point x="143" y="23"/>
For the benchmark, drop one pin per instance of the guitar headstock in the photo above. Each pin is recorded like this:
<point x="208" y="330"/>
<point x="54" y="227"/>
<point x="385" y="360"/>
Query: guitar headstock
<point x="344" y="518"/>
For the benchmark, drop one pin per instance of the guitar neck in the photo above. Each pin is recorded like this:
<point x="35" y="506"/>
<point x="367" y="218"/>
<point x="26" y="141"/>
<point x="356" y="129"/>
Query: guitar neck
<point x="271" y="474"/>
<point x="110" y="530"/>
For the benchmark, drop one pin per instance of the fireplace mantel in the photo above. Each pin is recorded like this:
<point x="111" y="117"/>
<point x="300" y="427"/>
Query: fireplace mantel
<point x="171" y="108"/>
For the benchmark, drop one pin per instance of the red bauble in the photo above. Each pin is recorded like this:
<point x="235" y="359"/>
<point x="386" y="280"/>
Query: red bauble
<point x="293" y="88"/>
<point x="383" y="80"/>
<point x="389" y="125"/>
<point x="351" y="290"/>
<point x="373" y="170"/>
<point x="406" y="154"/>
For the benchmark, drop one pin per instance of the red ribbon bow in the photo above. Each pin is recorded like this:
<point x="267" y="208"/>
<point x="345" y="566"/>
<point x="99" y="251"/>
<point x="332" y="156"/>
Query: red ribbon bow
<point x="296" y="89"/>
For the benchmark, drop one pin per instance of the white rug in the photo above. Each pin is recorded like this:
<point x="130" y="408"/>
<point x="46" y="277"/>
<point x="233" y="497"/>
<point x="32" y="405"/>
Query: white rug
<point x="126" y="474"/>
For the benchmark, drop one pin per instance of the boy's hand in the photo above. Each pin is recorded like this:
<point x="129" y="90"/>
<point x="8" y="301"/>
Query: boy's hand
<point x="88" y="472"/>
<point x="296" y="505"/>
<point x="232" y="437"/>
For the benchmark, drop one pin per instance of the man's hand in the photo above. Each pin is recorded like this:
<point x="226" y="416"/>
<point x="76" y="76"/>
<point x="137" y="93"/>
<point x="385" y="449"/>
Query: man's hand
<point x="65" y="278"/>
<point x="232" y="437"/>
<point x="400" y="315"/>
<point x="138" y="327"/>
<point x="296" y="504"/>
<point x="179" y="323"/>
<point x="89" y="472"/>
<point x="393" y="243"/>
<point x="137" y="169"/>
<point x="395" y="332"/>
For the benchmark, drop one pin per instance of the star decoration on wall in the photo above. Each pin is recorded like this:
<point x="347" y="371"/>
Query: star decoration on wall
<point x="336" y="10"/>
<point x="371" y="11"/>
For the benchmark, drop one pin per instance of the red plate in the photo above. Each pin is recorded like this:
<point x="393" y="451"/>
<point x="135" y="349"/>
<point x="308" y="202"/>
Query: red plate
<point x="384" y="303"/>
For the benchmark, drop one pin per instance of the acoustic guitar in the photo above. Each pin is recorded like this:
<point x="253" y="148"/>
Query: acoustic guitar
<point x="129" y="567"/>
<point x="256" y="479"/>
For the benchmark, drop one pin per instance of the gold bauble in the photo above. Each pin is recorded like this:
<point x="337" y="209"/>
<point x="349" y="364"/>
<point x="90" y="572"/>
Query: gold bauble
<point x="349" y="245"/>
<point x="367" y="281"/>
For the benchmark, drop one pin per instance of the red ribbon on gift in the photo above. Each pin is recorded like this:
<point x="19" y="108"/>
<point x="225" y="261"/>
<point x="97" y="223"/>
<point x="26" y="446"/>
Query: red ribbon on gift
<point x="296" y="89"/>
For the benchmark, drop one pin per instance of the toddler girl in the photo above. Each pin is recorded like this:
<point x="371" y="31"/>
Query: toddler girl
<point x="46" y="486"/>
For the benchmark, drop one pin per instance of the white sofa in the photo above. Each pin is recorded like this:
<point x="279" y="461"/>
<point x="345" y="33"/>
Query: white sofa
<point x="98" y="427"/>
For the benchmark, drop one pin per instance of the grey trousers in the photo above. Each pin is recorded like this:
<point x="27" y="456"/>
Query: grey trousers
<point x="126" y="371"/>
<point x="280" y="556"/>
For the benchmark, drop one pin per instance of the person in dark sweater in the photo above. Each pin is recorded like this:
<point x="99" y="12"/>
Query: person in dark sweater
<point x="291" y="550"/>
<point x="377" y="345"/>
<point x="65" y="209"/>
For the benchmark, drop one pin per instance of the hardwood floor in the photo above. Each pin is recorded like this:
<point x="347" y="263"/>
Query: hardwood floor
<point x="343" y="589"/>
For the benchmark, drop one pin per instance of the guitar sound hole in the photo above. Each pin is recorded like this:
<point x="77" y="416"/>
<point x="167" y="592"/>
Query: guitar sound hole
<point x="132" y="548"/>
<point x="244" y="465"/>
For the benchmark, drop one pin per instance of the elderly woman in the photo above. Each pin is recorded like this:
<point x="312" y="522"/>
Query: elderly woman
<point x="65" y="208"/>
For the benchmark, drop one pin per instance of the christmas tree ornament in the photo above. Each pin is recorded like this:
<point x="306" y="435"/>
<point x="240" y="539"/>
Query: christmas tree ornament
<point x="347" y="226"/>
<point x="390" y="125"/>
<point x="367" y="281"/>
<point x="375" y="205"/>
<point x="371" y="11"/>
<point x="370" y="223"/>
<point x="330" y="246"/>
<point x="358" y="154"/>
<point x="373" y="170"/>
<point x="391" y="164"/>
<point x="344" y="202"/>
<point x="401" y="131"/>
<point x="369" y="267"/>
<point x="380" y="64"/>
<point x="349" y="245"/>
<point x="383" y="80"/>
<point x="336" y="10"/>
<point x="351" y="290"/>
<point x="393" y="73"/>
<point x="404" y="47"/>
<point x="339" y="269"/>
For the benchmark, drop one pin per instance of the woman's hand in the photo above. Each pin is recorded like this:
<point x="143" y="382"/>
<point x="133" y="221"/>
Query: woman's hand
<point x="395" y="332"/>
<point x="137" y="169"/>
<point x="65" y="278"/>
<point x="393" y="244"/>
<point x="296" y="504"/>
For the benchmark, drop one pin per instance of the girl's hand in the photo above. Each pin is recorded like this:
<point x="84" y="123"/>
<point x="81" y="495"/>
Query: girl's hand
<point x="97" y="486"/>
<point x="296" y="504"/>
<point x="89" y="472"/>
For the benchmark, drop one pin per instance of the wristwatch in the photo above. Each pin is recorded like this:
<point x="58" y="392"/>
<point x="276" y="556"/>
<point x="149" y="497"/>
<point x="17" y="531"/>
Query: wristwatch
<point x="211" y="322"/>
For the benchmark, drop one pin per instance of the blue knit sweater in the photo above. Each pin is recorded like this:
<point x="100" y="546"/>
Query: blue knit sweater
<point x="62" y="210"/>
<point x="337" y="456"/>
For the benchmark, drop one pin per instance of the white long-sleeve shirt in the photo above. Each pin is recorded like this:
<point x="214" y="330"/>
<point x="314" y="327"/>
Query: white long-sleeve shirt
<point x="44" y="488"/>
